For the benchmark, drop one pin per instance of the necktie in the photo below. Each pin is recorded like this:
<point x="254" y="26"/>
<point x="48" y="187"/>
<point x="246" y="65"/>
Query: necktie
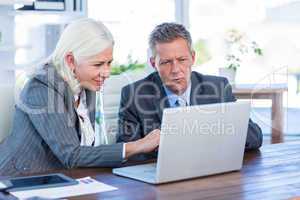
<point x="100" y="131"/>
<point x="180" y="102"/>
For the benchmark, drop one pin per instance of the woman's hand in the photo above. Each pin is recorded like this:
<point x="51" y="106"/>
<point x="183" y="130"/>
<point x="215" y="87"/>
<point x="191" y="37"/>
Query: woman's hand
<point x="145" y="145"/>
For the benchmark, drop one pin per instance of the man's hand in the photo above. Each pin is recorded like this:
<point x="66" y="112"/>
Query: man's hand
<point x="145" y="145"/>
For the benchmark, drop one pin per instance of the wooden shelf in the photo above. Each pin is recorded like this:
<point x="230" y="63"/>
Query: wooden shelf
<point x="13" y="2"/>
<point x="13" y="48"/>
<point x="44" y="12"/>
<point x="27" y="66"/>
<point x="45" y="17"/>
<point x="40" y="12"/>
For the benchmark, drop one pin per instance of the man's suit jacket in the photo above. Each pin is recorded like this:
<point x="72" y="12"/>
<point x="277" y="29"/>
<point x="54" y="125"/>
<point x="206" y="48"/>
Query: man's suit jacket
<point x="45" y="134"/>
<point x="142" y="105"/>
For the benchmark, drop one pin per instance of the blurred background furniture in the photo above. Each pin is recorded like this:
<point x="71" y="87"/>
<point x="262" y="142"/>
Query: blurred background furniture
<point x="274" y="92"/>
<point x="112" y="97"/>
<point x="6" y="108"/>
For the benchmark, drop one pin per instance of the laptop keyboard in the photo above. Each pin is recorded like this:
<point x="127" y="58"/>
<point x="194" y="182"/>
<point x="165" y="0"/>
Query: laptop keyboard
<point x="148" y="168"/>
<point x="145" y="172"/>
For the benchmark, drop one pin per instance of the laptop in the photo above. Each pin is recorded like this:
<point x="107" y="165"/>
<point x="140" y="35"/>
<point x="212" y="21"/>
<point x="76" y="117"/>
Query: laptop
<point x="196" y="141"/>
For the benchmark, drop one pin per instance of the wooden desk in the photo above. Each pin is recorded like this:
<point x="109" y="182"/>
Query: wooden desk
<point x="271" y="173"/>
<point x="273" y="92"/>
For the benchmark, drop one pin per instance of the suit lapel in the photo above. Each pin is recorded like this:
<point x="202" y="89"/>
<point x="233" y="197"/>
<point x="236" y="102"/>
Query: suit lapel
<point x="162" y="101"/>
<point x="91" y="104"/>
<point x="196" y="97"/>
<point x="203" y="92"/>
<point x="51" y="78"/>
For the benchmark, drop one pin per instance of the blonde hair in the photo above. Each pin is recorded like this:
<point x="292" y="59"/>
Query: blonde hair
<point x="83" y="38"/>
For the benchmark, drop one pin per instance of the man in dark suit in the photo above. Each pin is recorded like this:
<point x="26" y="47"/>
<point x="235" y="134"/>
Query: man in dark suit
<point x="173" y="84"/>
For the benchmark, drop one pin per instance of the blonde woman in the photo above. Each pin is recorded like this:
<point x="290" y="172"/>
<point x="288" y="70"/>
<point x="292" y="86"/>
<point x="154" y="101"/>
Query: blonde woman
<point x="54" y="123"/>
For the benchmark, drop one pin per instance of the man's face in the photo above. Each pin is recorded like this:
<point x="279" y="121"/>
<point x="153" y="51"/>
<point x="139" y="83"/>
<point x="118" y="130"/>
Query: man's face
<point x="173" y="61"/>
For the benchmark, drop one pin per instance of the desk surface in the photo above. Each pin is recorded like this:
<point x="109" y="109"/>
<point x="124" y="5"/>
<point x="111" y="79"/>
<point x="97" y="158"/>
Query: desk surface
<point x="271" y="173"/>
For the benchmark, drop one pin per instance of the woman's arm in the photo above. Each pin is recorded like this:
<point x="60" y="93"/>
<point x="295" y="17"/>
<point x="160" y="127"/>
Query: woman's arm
<point x="144" y="145"/>
<point x="49" y="115"/>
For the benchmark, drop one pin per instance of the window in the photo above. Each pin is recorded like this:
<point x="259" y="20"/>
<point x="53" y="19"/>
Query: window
<point x="210" y="19"/>
<point x="131" y="23"/>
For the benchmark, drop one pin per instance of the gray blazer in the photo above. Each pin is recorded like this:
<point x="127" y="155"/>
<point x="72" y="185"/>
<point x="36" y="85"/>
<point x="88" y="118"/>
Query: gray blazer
<point x="142" y="105"/>
<point x="45" y="134"/>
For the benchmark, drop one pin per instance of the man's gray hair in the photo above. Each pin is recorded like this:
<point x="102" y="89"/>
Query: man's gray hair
<point x="168" y="32"/>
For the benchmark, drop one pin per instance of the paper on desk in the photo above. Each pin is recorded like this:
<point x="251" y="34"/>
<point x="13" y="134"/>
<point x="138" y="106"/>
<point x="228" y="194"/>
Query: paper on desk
<point x="85" y="186"/>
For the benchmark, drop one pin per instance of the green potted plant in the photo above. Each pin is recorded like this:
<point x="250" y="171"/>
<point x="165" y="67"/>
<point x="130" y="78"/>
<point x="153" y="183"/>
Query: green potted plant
<point x="239" y="46"/>
<point x="131" y="64"/>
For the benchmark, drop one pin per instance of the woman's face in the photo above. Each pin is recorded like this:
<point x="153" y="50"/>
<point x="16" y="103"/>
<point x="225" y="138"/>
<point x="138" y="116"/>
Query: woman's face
<point x="92" y="72"/>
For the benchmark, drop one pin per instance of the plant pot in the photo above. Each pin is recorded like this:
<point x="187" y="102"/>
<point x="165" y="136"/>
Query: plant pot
<point x="228" y="73"/>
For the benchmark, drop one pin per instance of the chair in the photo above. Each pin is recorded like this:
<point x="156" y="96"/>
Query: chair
<point x="112" y="96"/>
<point x="7" y="93"/>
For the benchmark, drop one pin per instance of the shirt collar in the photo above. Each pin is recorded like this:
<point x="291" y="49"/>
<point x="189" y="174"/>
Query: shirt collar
<point x="172" y="97"/>
<point x="82" y="98"/>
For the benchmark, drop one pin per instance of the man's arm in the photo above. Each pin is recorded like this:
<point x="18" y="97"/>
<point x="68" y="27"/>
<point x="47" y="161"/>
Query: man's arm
<point x="254" y="135"/>
<point x="130" y="126"/>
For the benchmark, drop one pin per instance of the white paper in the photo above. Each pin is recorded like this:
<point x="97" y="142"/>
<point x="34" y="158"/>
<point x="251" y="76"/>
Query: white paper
<point x="85" y="186"/>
